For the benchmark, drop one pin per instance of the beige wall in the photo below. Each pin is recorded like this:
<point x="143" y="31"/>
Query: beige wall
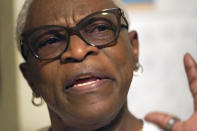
<point x="16" y="111"/>
<point x="8" y="96"/>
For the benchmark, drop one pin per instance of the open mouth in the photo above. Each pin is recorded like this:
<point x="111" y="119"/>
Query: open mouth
<point x="81" y="82"/>
<point x="86" y="82"/>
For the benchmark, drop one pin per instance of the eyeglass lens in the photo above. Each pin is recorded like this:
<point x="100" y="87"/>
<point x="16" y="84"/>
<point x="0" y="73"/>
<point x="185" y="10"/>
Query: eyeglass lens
<point x="97" y="30"/>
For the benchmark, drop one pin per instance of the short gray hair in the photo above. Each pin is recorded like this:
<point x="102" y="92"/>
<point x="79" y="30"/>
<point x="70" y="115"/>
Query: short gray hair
<point x="21" y="20"/>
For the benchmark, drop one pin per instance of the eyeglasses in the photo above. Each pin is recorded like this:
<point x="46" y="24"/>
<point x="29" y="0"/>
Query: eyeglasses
<point x="100" y="29"/>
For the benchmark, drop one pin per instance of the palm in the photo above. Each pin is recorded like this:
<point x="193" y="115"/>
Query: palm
<point x="161" y="119"/>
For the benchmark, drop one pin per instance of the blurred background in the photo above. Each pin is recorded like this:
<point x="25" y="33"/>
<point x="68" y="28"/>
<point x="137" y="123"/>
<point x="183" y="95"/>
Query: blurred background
<point x="167" y="29"/>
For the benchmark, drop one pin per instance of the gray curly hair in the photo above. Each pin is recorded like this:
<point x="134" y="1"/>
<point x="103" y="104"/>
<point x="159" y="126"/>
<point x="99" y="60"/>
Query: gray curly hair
<point x="21" y="20"/>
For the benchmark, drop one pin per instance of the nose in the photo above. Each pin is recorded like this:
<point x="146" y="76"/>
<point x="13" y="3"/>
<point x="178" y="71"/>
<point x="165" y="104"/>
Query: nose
<point x="78" y="50"/>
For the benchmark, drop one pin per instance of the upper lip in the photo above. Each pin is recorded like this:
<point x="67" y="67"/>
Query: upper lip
<point x="85" y="74"/>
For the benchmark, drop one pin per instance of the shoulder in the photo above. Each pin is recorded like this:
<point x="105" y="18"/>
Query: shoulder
<point x="150" y="127"/>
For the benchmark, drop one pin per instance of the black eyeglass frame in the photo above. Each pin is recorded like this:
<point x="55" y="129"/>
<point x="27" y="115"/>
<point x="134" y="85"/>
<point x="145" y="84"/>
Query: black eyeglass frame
<point x="118" y="12"/>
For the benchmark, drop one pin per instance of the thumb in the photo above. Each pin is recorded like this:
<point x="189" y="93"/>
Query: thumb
<point x="161" y="120"/>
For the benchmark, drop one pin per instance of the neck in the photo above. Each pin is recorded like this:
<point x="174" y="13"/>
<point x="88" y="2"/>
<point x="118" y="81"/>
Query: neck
<point x="124" y="121"/>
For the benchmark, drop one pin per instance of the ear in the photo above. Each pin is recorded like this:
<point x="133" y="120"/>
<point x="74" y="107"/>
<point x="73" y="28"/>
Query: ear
<point x="133" y="36"/>
<point x="27" y="73"/>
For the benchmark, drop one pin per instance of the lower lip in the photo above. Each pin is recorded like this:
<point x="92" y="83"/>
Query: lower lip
<point x="94" y="86"/>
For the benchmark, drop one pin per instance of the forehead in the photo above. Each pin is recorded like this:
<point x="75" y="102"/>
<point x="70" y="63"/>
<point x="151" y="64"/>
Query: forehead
<point x="62" y="12"/>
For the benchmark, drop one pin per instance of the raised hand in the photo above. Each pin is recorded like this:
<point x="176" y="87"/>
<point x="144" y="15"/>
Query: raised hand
<point x="168" y="122"/>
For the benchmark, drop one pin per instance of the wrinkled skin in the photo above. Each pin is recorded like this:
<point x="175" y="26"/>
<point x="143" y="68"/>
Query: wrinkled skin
<point x="103" y="108"/>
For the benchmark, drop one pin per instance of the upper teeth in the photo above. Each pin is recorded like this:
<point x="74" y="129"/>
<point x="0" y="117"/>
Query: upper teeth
<point x="86" y="83"/>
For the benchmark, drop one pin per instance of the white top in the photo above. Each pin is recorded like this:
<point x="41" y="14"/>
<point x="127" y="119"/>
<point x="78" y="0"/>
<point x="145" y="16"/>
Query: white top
<point x="147" y="127"/>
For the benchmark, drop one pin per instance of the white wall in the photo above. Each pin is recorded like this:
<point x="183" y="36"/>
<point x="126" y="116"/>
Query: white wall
<point x="165" y="34"/>
<point x="179" y="6"/>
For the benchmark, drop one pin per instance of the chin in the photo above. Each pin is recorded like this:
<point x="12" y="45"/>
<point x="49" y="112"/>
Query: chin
<point x="95" y="115"/>
<point x="99" y="117"/>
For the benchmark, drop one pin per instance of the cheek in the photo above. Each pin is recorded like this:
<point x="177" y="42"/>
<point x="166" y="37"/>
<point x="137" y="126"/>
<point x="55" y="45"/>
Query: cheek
<point x="122" y="58"/>
<point x="46" y="80"/>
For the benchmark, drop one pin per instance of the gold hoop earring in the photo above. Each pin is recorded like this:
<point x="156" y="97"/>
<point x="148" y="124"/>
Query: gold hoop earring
<point x="139" y="70"/>
<point x="35" y="100"/>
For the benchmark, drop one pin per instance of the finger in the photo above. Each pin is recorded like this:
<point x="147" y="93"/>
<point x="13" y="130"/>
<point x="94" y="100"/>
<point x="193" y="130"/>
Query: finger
<point x="191" y="71"/>
<point x="190" y="67"/>
<point x="161" y="120"/>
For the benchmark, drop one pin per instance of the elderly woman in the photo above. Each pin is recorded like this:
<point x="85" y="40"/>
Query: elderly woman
<point x="80" y="58"/>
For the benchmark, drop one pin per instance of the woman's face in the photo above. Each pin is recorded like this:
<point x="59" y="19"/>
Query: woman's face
<point x="86" y="85"/>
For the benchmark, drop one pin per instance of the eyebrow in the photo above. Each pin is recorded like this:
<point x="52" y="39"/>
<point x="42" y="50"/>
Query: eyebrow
<point x="77" y="18"/>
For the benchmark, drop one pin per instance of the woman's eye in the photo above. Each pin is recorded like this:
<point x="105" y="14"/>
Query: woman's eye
<point x="99" y="28"/>
<point x="102" y="28"/>
<point x="49" y="41"/>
